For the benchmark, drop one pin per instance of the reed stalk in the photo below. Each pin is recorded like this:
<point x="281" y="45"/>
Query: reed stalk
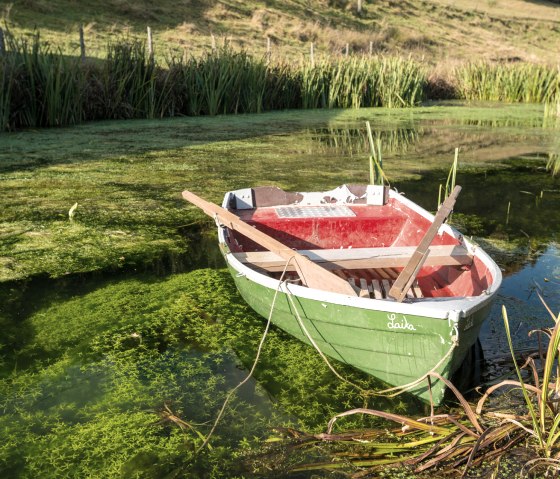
<point x="451" y="179"/>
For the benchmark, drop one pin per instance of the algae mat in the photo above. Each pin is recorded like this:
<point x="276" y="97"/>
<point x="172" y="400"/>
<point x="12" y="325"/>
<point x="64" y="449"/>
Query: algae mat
<point x="126" y="177"/>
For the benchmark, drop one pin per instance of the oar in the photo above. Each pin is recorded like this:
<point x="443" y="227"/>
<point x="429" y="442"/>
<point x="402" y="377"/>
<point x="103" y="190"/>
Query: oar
<point x="408" y="274"/>
<point x="311" y="274"/>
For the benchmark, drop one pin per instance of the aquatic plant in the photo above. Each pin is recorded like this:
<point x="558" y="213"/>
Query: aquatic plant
<point x="553" y="163"/>
<point x="519" y="82"/>
<point x="363" y="82"/>
<point x="451" y="179"/>
<point x="122" y="377"/>
<point x="41" y="87"/>
<point x="376" y="175"/>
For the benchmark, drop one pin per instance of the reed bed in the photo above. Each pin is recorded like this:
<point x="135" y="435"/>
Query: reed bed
<point x="42" y="87"/>
<point x="520" y="82"/>
<point x="39" y="87"/>
<point x="357" y="82"/>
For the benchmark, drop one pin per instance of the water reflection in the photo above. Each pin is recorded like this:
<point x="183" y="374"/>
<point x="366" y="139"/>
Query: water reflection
<point x="352" y="141"/>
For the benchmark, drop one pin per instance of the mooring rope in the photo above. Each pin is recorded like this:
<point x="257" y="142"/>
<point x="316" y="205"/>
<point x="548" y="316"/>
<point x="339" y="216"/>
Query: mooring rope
<point x="405" y="387"/>
<point x="259" y="349"/>
<point x="316" y="346"/>
<point x="390" y="392"/>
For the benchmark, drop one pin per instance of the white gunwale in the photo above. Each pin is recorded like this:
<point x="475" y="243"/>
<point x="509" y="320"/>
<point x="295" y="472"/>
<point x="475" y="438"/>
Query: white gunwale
<point x="440" y="308"/>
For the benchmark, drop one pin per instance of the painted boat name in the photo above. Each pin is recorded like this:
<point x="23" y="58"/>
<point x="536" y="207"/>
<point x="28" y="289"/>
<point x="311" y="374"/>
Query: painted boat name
<point x="402" y="323"/>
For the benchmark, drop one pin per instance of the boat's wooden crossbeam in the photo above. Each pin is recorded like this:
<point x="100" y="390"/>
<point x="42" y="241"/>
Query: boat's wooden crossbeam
<point x="361" y="258"/>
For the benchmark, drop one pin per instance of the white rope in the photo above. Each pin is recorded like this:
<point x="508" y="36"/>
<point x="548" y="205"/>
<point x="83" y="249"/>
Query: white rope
<point x="316" y="346"/>
<point x="406" y="387"/>
<point x="395" y="391"/>
<point x="232" y="392"/>
<point x="289" y="295"/>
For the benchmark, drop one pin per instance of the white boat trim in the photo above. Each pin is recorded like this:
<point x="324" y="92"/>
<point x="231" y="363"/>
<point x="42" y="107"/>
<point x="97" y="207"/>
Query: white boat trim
<point x="440" y="308"/>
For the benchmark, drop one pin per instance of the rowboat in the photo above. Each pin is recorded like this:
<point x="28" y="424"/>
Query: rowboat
<point x="365" y="275"/>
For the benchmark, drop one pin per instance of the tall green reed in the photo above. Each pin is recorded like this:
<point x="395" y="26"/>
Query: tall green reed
<point x="451" y="179"/>
<point x="39" y="87"/>
<point x="520" y="82"/>
<point x="46" y="88"/>
<point x="356" y="82"/>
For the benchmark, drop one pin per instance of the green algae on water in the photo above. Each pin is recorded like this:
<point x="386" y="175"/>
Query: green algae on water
<point x="84" y="394"/>
<point x="126" y="176"/>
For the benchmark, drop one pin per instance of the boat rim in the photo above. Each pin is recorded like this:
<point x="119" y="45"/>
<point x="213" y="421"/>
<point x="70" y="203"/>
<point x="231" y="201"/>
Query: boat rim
<point x="441" y="307"/>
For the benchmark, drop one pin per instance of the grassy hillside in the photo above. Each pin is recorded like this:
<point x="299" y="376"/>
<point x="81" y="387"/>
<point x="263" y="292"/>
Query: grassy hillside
<point x="436" y="30"/>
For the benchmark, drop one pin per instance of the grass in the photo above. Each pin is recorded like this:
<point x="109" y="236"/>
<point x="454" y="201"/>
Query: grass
<point x="441" y="31"/>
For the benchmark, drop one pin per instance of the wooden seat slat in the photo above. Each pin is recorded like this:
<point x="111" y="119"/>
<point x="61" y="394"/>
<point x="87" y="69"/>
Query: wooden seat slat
<point x="386" y="287"/>
<point x="360" y="258"/>
<point x="377" y="292"/>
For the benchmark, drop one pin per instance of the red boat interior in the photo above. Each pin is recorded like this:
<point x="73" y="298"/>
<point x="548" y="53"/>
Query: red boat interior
<point x="356" y="228"/>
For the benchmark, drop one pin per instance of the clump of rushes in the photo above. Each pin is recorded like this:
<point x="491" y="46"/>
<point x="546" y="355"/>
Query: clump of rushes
<point x="520" y="82"/>
<point x="363" y="82"/>
<point x="41" y="87"/>
<point x="466" y="439"/>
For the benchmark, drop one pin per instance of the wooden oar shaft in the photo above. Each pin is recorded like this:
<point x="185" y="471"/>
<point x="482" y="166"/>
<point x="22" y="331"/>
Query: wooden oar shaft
<point x="311" y="274"/>
<point x="411" y="270"/>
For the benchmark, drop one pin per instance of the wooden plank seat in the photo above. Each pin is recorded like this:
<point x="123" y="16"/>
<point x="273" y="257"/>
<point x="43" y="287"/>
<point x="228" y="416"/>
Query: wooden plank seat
<point x="360" y="258"/>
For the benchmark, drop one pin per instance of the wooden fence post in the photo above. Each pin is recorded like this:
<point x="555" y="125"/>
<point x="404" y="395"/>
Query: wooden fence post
<point x="213" y="42"/>
<point x="311" y="55"/>
<point x="2" y="45"/>
<point x="347" y="49"/>
<point x="370" y="48"/>
<point x="150" y="44"/>
<point x="82" y="44"/>
<point x="268" y="52"/>
<point x="359" y="6"/>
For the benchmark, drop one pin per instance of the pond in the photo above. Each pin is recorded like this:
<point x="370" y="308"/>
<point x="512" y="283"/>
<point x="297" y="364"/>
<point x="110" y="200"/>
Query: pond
<point x="119" y="369"/>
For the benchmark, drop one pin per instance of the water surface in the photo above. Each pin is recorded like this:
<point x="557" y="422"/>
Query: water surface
<point x="98" y="367"/>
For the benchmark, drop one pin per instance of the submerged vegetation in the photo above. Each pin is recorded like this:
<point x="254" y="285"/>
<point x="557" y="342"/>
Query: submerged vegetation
<point x="525" y="416"/>
<point x="123" y="380"/>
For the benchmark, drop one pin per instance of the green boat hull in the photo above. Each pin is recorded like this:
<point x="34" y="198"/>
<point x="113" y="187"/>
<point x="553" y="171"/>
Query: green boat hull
<point x="392" y="347"/>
